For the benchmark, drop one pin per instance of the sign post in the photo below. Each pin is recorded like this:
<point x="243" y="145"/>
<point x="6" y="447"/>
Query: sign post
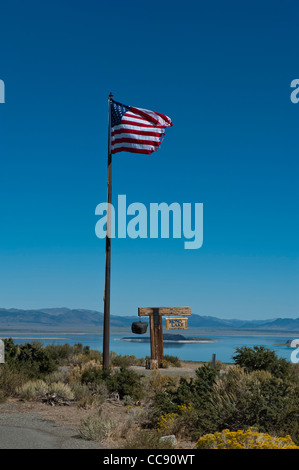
<point x="156" y="329"/>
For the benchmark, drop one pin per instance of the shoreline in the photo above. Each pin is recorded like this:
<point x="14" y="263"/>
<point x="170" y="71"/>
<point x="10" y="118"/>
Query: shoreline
<point x="133" y="340"/>
<point x="123" y="331"/>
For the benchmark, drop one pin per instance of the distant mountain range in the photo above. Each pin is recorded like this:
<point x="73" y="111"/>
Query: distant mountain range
<point x="81" y="320"/>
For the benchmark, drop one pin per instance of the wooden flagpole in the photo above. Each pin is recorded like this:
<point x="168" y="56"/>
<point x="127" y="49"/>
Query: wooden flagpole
<point x="106" y="332"/>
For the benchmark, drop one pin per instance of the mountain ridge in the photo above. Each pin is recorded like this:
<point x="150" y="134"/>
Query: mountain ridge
<point x="84" y="319"/>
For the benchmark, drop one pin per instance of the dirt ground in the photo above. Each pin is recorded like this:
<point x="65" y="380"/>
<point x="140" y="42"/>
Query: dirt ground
<point x="71" y="416"/>
<point x="187" y="370"/>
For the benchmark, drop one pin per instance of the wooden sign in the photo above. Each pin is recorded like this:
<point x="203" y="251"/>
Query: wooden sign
<point x="147" y="311"/>
<point x="176" y="323"/>
<point x="156" y="329"/>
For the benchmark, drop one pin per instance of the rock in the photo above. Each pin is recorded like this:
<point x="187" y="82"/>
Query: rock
<point x="171" y="439"/>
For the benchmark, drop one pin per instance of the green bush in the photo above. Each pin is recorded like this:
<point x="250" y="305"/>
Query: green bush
<point x="236" y="399"/>
<point x="128" y="382"/>
<point x="96" y="375"/>
<point x="123" y="381"/>
<point x="196" y="393"/>
<point x="261" y="358"/>
<point x="257" y="399"/>
<point x="64" y="353"/>
<point x="30" y="359"/>
<point x="10" y="380"/>
<point x="59" y="352"/>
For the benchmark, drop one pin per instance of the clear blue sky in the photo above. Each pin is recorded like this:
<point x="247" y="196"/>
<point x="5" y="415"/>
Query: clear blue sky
<point x="222" y="71"/>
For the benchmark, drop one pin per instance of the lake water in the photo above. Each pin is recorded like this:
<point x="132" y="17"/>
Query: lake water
<point x="224" y="347"/>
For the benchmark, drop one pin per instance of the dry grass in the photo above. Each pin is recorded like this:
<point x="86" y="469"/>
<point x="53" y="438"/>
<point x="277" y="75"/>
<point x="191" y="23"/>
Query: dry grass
<point x="96" y="427"/>
<point x="32" y="389"/>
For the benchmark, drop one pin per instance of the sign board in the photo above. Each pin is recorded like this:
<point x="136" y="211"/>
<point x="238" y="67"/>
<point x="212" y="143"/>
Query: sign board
<point x="176" y="323"/>
<point x="148" y="311"/>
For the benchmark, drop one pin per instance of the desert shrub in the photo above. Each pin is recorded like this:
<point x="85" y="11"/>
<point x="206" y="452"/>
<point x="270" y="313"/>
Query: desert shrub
<point x="10" y="380"/>
<point x="95" y="355"/>
<point x="36" y="360"/>
<point x="147" y="439"/>
<point x="117" y="360"/>
<point x="97" y="427"/>
<point x="10" y="349"/>
<point x="60" y="352"/>
<point x="96" y="375"/>
<point x="218" y="364"/>
<point x="83" y="397"/>
<point x="90" y="396"/>
<point x="129" y="424"/>
<point x="90" y="364"/>
<point x="237" y="399"/>
<point x="64" y="353"/>
<point x="250" y="439"/>
<point x="123" y="381"/>
<point x="128" y="382"/>
<point x="79" y="348"/>
<point x="156" y="382"/>
<point x="56" y="376"/>
<point x="100" y="391"/>
<point x="3" y="397"/>
<point x="172" y="360"/>
<point x="77" y="359"/>
<point x="165" y="364"/>
<point x="181" y="424"/>
<point x="195" y="391"/>
<point x="32" y="389"/>
<point x="62" y="390"/>
<point x="30" y="358"/>
<point x="256" y="399"/>
<point x="261" y="358"/>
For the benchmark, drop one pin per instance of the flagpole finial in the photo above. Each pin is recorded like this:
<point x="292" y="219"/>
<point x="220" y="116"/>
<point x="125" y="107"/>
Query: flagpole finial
<point x="110" y="96"/>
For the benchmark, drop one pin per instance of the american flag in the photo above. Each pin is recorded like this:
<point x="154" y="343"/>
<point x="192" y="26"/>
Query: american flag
<point x="136" y="130"/>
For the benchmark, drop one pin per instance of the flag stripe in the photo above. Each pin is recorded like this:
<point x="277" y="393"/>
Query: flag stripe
<point x="131" y="150"/>
<point x="147" y="116"/>
<point x="127" y="131"/>
<point x="133" y="145"/>
<point x="137" y="128"/>
<point x="133" y="115"/>
<point x="133" y="120"/>
<point x="134" y="141"/>
<point x="134" y="137"/>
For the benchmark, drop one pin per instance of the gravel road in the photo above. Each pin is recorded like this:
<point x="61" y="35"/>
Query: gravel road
<point x="31" y="431"/>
